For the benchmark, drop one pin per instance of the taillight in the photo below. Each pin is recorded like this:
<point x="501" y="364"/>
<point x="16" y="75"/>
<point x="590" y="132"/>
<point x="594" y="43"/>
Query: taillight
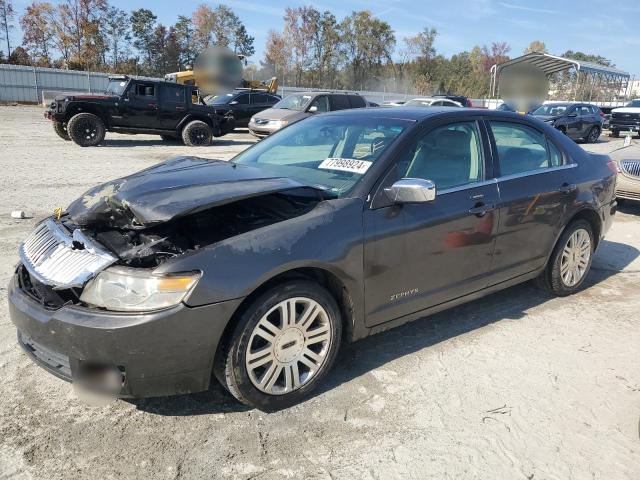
<point x="601" y="113"/>
<point x="613" y="166"/>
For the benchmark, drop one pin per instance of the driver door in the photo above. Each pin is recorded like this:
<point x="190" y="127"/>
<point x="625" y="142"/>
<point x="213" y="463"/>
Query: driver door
<point x="418" y="255"/>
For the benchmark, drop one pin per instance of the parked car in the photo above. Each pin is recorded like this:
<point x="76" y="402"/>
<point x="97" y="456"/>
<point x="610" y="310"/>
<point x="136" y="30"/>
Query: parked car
<point x="342" y="225"/>
<point x="579" y="121"/>
<point x="628" y="184"/>
<point x="242" y="104"/>
<point x="302" y="105"/>
<point x="137" y="105"/>
<point x="431" y="102"/>
<point x="626" y="119"/>
<point x="393" y="103"/>
<point x="461" y="99"/>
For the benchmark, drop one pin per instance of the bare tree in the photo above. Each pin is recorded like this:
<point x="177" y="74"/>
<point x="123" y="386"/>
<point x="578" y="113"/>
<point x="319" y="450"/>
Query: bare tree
<point x="7" y="15"/>
<point x="38" y="32"/>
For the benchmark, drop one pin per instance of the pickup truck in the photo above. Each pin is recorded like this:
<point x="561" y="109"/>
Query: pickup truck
<point x="135" y="105"/>
<point x="626" y="119"/>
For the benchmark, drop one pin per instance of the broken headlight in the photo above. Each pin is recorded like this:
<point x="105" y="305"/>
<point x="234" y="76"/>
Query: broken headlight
<point x="123" y="289"/>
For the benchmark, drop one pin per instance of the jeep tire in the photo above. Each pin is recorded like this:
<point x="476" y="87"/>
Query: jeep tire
<point x="86" y="129"/>
<point x="196" y="134"/>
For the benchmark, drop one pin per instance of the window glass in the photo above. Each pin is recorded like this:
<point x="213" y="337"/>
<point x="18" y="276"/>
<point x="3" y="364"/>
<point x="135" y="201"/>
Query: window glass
<point x="339" y="102"/>
<point x="449" y="156"/>
<point x="357" y="101"/>
<point x="321" y="103"/>
<point x="143" y="90"/>
<point x="259" y="98"/>
<point x="172" y="93"/>
<point x="555" y="155"/>
<point x="520" y="148"/>
<point x="243" y="99"/>
<point x="333" y="152"/>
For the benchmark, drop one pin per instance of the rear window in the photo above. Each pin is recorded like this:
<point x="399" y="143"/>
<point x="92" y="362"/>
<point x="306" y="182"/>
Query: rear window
<point x="357" y="101"/>
<point x="172" y="93"/>
<point x="339" y="102"/>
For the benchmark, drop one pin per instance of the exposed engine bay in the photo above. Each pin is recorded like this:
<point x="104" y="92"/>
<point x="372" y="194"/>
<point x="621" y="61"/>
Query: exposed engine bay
<point x="148" y="247"/>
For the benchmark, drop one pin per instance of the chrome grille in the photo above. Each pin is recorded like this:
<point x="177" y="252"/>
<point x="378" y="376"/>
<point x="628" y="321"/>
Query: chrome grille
<point x="56" y="258"/>
<point x="631" y="167"/>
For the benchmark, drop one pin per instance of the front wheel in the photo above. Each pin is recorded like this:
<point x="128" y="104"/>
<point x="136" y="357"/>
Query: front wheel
<point x="86" y="129"/>
<point x="570" y="261"/>
<point x="196" y="134"/>
<point x="283" y="345"/>
<point x="61" y="130"/>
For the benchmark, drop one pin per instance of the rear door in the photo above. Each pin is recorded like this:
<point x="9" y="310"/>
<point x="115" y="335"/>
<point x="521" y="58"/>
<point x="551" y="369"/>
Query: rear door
<point x="242" y="109"/>
<point x="536" y="191"/>
<point x="420" y="255"/>
<point x="172" y="105"/>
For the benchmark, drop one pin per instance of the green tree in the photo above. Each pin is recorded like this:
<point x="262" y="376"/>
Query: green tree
<point x="536" y="46"/>
<point x="117" y="35"/>
<point x="143" y="25"/>
<point x="185" y="38"/>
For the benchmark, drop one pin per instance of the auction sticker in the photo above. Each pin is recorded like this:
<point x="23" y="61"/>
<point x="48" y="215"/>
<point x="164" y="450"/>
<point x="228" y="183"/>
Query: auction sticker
<point x="346" y="165"/>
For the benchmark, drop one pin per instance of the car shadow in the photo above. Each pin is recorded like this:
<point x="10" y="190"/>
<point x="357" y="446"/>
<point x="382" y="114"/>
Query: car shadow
<point x="630" y="207"/>
<point x="128" y="143"/>
<point x="359" y="358"/>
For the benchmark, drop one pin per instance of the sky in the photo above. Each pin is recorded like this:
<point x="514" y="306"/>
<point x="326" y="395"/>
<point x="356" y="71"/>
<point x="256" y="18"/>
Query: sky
<point x="584" y="25"/>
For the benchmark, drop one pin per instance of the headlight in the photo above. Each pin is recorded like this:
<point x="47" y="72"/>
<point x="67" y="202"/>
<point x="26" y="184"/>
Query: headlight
<point x="277" y="123"/>
<point x="124" y="289"/>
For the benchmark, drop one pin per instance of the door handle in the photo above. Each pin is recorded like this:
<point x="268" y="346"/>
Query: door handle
<point x="481" y="209"/>
<point x="179" y="108"/>
<point x="567" y="188"/>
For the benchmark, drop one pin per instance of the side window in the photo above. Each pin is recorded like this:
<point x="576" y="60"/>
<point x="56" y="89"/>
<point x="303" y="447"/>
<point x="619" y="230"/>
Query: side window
<point x="243" y="99"/>
<point x="357" y="101"/>
<point x="449" y="156"/>
<point x="142" y="90"/>
<point x="259" y="98"/>
<point x="172" y="94"/>
<point x="520" y="148"/>
<point x="555" y="155"/>
<point x="437" y="103"/>
<point x="321" y="103"/>
<point x="340" y="102"/>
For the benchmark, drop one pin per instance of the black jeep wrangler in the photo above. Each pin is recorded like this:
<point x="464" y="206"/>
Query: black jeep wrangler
<point x="138" y="105"/>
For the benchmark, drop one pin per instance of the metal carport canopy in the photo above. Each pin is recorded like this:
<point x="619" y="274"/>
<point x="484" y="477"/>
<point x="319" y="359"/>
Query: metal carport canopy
<point x="551" y="64"/>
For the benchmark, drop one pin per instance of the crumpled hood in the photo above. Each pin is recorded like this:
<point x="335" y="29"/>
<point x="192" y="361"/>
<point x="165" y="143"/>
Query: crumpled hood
<point x="171" y="189"/>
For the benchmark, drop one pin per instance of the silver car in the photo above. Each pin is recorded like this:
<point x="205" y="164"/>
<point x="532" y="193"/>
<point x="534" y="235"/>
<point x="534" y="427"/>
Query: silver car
<point x="294" y="108"/>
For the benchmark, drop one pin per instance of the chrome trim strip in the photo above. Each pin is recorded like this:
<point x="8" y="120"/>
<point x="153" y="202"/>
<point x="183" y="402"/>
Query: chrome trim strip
<point x="466" y="186"/>
<point x="539" y="171"/>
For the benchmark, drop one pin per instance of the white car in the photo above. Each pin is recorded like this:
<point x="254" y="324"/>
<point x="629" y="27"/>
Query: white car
<point x="626" y="119"/>
<point x="432" y="102"/>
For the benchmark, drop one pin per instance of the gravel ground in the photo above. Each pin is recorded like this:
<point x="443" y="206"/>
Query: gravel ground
<point x="517" y="385"/>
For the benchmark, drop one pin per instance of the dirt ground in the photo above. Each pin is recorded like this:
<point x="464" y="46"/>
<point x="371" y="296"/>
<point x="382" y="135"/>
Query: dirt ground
<point x="518" y="385"/>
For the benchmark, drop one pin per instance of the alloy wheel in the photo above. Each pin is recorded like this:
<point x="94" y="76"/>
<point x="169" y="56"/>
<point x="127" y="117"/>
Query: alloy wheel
<point x="288" y="346"/>
<point x="594" y="134"/>
<point x="575" y="257"/>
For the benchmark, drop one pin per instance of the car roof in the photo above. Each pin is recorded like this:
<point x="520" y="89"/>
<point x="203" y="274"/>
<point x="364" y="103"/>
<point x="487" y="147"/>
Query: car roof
<point x="421" y="113"/>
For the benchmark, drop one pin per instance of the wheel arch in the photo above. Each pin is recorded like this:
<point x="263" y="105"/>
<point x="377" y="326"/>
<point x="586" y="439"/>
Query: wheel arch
<point x="322" y="276"/>
<point x="73" y="110"/>
<point x="590" y="216"/>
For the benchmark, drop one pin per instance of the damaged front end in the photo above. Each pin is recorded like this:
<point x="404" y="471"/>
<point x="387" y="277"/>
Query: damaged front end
<point x="102" y="252"/>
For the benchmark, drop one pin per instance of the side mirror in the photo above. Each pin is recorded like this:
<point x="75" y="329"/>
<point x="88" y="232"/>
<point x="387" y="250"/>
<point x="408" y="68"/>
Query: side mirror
<point x="234" y="102"/>
<point x="412" y="190"/>
<point x="313" y="109"/>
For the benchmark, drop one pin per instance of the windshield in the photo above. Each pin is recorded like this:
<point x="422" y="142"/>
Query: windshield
<point x="633" y="103"/>
<point x="221" y="99"/>
<point x="551" y="110"/>
<point x="116" y="87"/>
<point x="331" y="152"/>
<point x="294" y="102"/>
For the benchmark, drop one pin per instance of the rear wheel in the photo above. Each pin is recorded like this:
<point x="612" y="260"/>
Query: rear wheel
<point x="570" y="261"/>
<point x="61" y="129"/>
<point x="283" y="345"/>
<point x="196" y="134"/>
<point x="86" y="129"/>
<point x="594" y="134"/>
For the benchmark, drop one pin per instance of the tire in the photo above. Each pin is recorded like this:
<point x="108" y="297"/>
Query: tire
<point x="262" y="373"/>
<point x="86" y="129"/>
<point x="169" y="138"/>
<point x="196" y="134"/>
<point x="615" y="133"/>
<point x="61" y="129"/>
<point x="593" y="135"/>
<point x="559" y="279"/>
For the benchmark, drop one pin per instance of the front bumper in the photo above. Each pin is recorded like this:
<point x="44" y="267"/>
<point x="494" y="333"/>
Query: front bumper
<point x="262" y="131"/>
<point x="160" y="353"/>
<point x="628" y="187"/>
<point x="624" y="127"/>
